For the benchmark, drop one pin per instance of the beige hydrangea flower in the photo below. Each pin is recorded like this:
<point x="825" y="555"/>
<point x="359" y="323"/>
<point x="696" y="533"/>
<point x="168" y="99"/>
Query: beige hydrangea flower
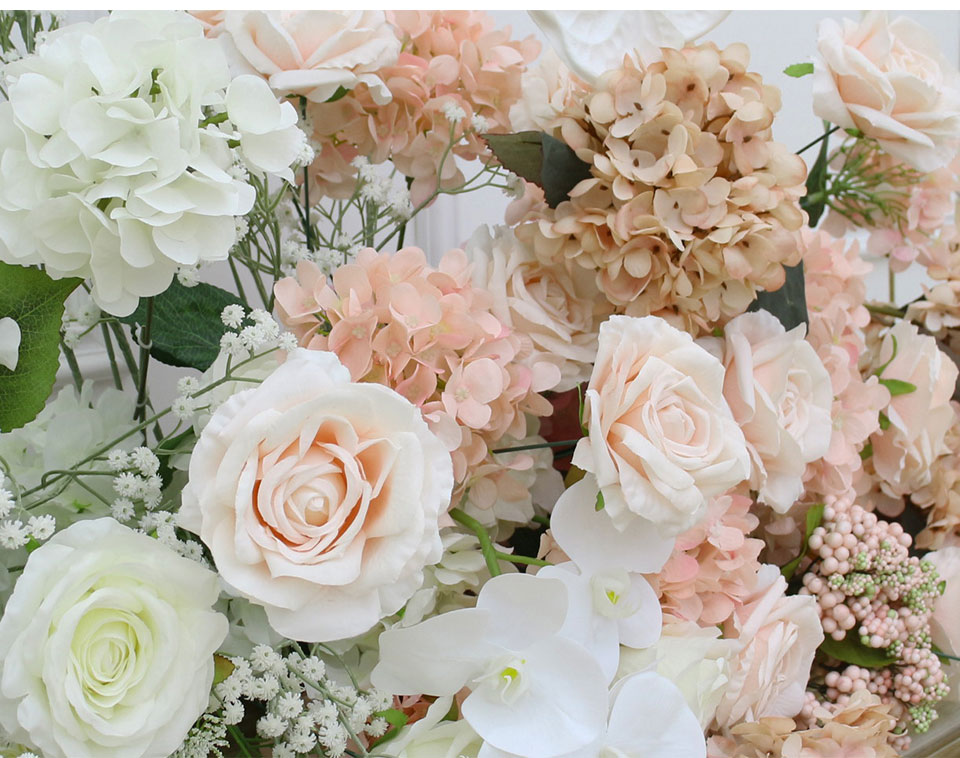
<point x="691" y="207"/>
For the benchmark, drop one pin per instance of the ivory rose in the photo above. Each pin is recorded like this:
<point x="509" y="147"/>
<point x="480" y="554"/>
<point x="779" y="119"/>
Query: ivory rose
<point x="780" y="395"/>
<point x="319" y="498"/>
<point x="556" y="307"/>
<point x="314" y="53"/>
<point x="779" y="634"/>
<point x="890" y="81"/>
<point x="904" y="453"/>
<point x="661" y="438"/>
<point x="106" y="645"/>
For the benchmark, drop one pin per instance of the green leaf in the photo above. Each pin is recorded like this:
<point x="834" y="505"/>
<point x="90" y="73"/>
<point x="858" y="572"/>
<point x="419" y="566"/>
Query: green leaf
<point x="866" y="451"/>
<point x="789" y="303"/>
<point x="35" y="302"/>
<point x="341" y="92"/>
<point x="816" y="198"/>
<point x="544" y="160"/>
<point x="186" y="327"/>
<point x="814" y="519"/>
<point x="600" y="502"/>
<point x="394" y="717"/>
<point x="797" y="70"/>
<point x="884" y="421"/>
<point x="898" y="387"/>
<point x="852" y="650"/>
<point x="222" y="668"/>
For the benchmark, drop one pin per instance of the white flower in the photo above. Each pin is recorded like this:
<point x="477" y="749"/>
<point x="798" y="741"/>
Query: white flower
<point x="432" y="737"/>
<point x="315" y="53"/>
<point x="269" y="138"/>
<point x="9" y="343"/>
<point x="534" y="692"/>
<point x="662" y="439"/>
<point x="694" y="658"/>
<point x="42" y="527"/>
<point x="319" y="498"/>
<point x="106" y="645"/>
<point x="593" y="42"/>
<point x="13" y="534"/>
<point x="123" y="180"/>
<point x="781" y="396"/>
<point x="610" y="602"/>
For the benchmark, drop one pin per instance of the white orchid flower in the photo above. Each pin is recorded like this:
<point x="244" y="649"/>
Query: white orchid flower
<point x="593" y="42"/>
<point x="9" y="343"/>
<point x="535" y="692"/>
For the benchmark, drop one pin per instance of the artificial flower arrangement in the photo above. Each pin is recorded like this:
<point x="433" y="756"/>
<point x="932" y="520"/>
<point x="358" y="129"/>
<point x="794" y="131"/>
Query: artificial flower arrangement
<point x="639" y="472"/>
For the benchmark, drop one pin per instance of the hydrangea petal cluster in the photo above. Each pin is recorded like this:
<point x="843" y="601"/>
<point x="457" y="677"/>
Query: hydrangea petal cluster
<point x="691" y="207"/>
<point x="941" y="497"/>
<point x="870" y="589"/>
<point x="714" y="565"/>
<point x="452" y="62"/>
<point x="118" y="143"/>
<point x="860" y="728"/>
<point x="429" y="334"/>
<point x="835" y="293"/>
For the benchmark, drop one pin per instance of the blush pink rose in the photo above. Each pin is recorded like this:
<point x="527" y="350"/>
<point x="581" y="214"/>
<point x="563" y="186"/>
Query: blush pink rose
<point x="779" y="634"/>
<point x="904" y="453"/>
<point x="315" y="53"/>
<point x="943" y="626"/>
<point x="319" y="498"/>
<point x="890" y="81"/>
<point x="662" y="440"/>
<point x="781" y="395"/>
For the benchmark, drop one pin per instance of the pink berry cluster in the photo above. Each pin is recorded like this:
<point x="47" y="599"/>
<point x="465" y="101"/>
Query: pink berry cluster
<point x="866" y="582"/>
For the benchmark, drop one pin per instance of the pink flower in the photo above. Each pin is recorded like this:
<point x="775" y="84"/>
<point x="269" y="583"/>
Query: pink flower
<point x="904" y="453"/>
<point x="780" y="635"/>
<point x="315" y="53"/>
<point x="890" y="81"/>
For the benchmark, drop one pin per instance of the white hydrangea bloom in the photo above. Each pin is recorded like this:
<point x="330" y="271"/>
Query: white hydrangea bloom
<point x="9" y="343"/>
<point x="117" y="152"/>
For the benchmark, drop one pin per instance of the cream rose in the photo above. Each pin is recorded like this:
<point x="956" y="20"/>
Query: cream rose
<point x="904" y="453"/>
<point x="319" y="498"/>
<point x="556" y="308"/>
<point x="106" y="645"/>
<point x="781" y="396"/>
<point x="890" y="81"/>
<point x="661" y="437"/>
<point x="314" y="53"/>
<point x="779" y="634"/>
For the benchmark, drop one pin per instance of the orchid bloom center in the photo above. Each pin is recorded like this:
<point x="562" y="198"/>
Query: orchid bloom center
<point x="506" y="680"/>
<point x="611" y="594"/>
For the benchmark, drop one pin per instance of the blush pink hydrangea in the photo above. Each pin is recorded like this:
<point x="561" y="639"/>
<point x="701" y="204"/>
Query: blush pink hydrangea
<point x="450" y="62"/>
<point x="713" y="566"/>
<point x="427" y="333"/>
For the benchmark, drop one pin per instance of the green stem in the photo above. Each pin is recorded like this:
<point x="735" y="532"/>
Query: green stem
<point x="892" y="283"/>
<point x="145" y="345"/>
<point x="124" y="344"/>
<point x="240" y="740"/>
<point x="236" y="279"/>
<point x="307" y="228"/>
<point x="537" y="446"/>
<point x="111" y="354"/>
<point x="817" y="140"/>
<point x="521" y="559"/>
<point x="884" y="310"/>
<point x="486" y="544"/>
<point x="72" y="363"/>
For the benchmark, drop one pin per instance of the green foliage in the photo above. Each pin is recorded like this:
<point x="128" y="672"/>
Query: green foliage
<point x="789" y="303"/>
<point x="898" y="387"/>
<point x="186" y="327"/>
<point x="544" y="160"/>
<point x="600" y="502"/>
<point x="35" y="302"/>
<point x="816" y="199"/>
<point x="814" y="519"/>
<point x="796" y="70"/>
<point x="852" y="650"/>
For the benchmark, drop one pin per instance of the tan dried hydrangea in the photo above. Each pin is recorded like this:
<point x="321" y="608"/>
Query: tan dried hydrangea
<point x="691" y="207"/>
<point x="859" y="728"/>
<point x="942" y="495"/>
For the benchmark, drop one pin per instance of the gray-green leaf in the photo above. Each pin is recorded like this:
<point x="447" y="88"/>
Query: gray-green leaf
<point x="797" y="70"/>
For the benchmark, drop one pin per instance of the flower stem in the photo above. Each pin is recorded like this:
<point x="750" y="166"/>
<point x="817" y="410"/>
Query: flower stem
<point x="884" y="310"/>
<point x="145" y="345"/>
<point x="525" y="559"/>
<point x="112" y="355"/>
<point x="72" y="363"/>
<point x="486" y="544"/>
<point x="817" y="140"/>
<point x="537" y="446"/>
<point x="892" y="283"/>
<point x="240" y="740"/>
